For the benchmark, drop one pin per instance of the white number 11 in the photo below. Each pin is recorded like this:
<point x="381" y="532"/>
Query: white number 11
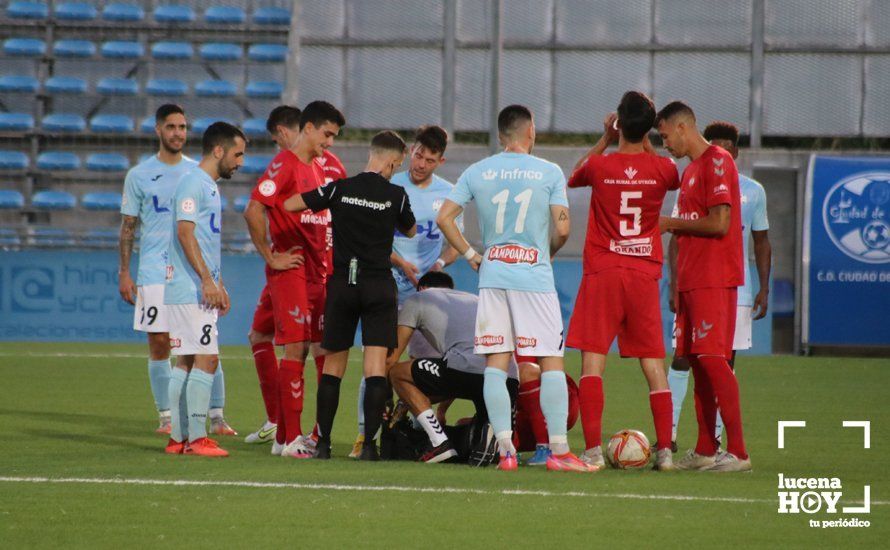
<point x="524" y="199"/>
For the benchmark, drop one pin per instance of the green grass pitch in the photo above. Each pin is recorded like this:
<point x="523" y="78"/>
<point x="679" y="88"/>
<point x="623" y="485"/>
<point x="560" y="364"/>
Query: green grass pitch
<point x="84" y="411"/>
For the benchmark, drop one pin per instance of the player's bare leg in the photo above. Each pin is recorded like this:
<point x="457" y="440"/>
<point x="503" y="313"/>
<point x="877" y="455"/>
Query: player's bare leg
<point x="592" y="401"/>
<point x="266" y="364"/>
<point x="329" y="399"/>
<point x="159" y="377"/>
<point x="403" y="382"/>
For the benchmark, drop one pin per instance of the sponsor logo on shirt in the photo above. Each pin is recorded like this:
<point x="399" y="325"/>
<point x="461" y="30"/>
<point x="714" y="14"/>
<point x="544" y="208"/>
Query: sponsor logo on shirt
<point x="267" y="188"/>
<point x="437" y="204"/>
<point x="722" y="188"/>
<point x="175" y="343"/>
<point x="488" y="340"/>
<point x="632" y="247"/>
<point x="169" y="275"/>
<point x="187" y="206"/>
<point x="513" y="254"/>
<point x="630" y="172"/>
<point x="315" y="219"/>
<point x="514" y="174"/>
<point x="526" y="342"/>
<point x="365" y="203"/>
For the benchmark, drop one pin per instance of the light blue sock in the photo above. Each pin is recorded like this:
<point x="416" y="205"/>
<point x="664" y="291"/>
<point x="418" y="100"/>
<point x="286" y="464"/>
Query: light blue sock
<point x="175" y="393"/>
<point x="497" y="403"/>
<point x="183" y="412"/>
<point x="159" y="377"/>
<point x="218" y="393"/>
<point x="198" y="393"/>
<point x="361" y="406"/>
<point x="718" y="433"/>
<point x="678" y="381"/>
<point x="555" y="406"/>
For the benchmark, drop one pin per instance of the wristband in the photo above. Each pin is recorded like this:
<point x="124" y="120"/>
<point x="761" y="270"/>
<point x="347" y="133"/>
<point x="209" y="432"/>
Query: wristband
<point x="470" y="254"/>
<point x="441" y="263"/>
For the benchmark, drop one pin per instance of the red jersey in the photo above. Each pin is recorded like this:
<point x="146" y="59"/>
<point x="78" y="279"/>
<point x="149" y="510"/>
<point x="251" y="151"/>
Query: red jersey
<point x="333" y="171"/>
<point x="710" y="262"/>
<point x="625" y="204"/>
<point x="285" y="176"/>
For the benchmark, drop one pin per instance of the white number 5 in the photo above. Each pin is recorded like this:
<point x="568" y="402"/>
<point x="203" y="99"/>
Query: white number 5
<point x="634" y="211"/>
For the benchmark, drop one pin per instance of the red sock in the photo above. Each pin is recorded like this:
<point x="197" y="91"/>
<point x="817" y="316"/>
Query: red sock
<point x="592" y="400"/>
<point x="319" y="369"/>
<point x="267" y="371"/>
<point x="662" y="414"/>
<point x="726" y="388"/>
<point x="529" y="401"/>
<point x="290" y="391"/>
<point x="705" y="409"/>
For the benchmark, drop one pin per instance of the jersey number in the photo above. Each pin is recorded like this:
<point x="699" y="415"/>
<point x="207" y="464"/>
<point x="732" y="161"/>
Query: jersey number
<point x="523" y="199"/>
<point x="632" y="229"/>
<point x="152" y="314"/>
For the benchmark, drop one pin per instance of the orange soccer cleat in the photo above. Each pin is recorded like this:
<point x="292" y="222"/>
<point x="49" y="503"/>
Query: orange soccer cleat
<point x="507" y="463"/>
<point x="569" y="463"/>
<point x="205" y="447"/>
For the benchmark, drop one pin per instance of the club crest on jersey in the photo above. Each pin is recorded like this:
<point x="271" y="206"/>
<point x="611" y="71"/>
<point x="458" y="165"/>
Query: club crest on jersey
<point x="488" y="340"/>
<point x="632" y="247"/>
<point x="437" y="204"/>
<point x="526" y="342"/>
<point x="513" y="254"/>
<point x="267" y="188"/>
<point x="187" y="206"/>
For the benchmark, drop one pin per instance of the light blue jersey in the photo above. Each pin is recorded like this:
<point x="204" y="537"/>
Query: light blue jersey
<point x="513" y="194"/>
<point x="148" y="192"/>
<point x="753" y="218"/>
<point x="196" y="200"/>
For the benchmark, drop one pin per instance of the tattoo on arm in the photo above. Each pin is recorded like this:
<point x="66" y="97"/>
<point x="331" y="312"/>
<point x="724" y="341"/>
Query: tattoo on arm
<point x="563" y="216"/>
<point x="127" y="236"/>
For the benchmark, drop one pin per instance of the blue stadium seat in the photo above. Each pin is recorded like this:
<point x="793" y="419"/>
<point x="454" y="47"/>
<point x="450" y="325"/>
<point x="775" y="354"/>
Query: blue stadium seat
<point x="221" y="51"/>
<point x="101" y="238"/>
<point x="166" y="87"/>
<point x="27" y="10"/>
<point x="74" y="48"/>
<point x="58" y="161"/>
<point x="50" y="237"/>
<point x="264" y="88"/>
<point x="271" y="16"/>
<point x="118" y="86"/>
<point x="147" y="126"/>
<point x="172" y="50"/>
<point x="112" y="124"/>
<point x="65" y="85"/>
<point x="16" y="122"/>
<point x="256" y="164"/>
<point x="19" y="83"/>
<point x="255" y="127"/>
<point x="9" y="238"/>
<point x="24" y="47"/>
<point x="199" y="125"/>
<point x="119" y="49"/>
<point x="216" y="88"/>
<point x="123" y="12"/>
<point x="53" y="200"/>
<point x="13" y="160"/>
<point x="173" y="13"/>
<point x="75" y="11"/>
<point x="267" y="52"/>
<point x="101" y="200"/>
<point x="107" y="162"/>
<point x="241" y="203"/>
<point x="63" y="122"/>
<point x="223" y="203"/>
<point x="10" y="199"/>
<point x="225" y="15"/>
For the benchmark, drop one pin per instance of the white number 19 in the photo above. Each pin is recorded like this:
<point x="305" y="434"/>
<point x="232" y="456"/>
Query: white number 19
<point x="524" y="199"/>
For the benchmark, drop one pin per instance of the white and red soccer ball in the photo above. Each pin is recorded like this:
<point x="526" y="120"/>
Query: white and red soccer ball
<point x="629" y="449"/>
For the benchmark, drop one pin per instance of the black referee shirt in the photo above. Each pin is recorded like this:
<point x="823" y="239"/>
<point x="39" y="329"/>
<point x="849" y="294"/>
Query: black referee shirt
<point x="366" y="209"/>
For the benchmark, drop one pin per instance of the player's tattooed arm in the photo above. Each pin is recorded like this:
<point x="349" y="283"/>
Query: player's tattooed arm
<point x="211" y="295"/>
<point x="126" y="285"/>
<point x="561" y="226"/>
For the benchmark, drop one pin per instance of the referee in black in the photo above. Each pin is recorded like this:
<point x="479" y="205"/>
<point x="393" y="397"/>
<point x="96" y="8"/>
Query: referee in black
<point x="365" y="212"/>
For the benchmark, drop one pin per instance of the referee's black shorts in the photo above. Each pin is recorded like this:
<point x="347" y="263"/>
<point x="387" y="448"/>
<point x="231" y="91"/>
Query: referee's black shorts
<point x="374" y="301"/>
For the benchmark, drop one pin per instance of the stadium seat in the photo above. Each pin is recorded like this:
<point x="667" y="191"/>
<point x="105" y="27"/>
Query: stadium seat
<point x="75" y="11"/>
<point x="268" y="89"/>
<point x="102" y="238"/>
<point x="53" y="200"/>
<point x="220" y="51"/>
<point x="107" y="162"/>
<point x="223" y="203"/>
<point x="63" y="122"/>
<point x="10" y="199"/>
<point x="74" y="48"/>
<point x="111" y="124"/>
<point x="147" y="126"/>
<point x="118" y="86"/>
<point x="172" y="50"/>
<point x="19" y="83"/>
<point x="166" y="87"/>
<point x="9" y="238"/>
<point x="199" y="125"/>
<point x="123" y="12"/>
<point x="255" y="127"/>
<point x="173" y="13"/>
<point x="13" y="160"/>
<point x="58" y="161"/>
<point x="271" y="16"/>
<point x="27" y="10"/>
<point x="119" y="49"/>
<point x="225" y="15"/>
<point x="102" y="200"/>
<point x="24" y="47"/>
<point x="65" y="85"/>
<point x="216" y="88"/>
<point x="256" y="164"/>
<point x="50" y="237"/>
<point x="16" y="122"/>
<point x="241" y="203"/>
<point x="267" y="52"/>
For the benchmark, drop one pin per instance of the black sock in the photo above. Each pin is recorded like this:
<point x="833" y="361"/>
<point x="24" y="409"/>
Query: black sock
<point x="376" y="392"/>
<point x="326" y="406"/>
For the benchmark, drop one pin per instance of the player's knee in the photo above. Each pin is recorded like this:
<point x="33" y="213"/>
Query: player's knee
<point x="297" y="351"/>
<point x="529" y="372"/>
<point x="255" y="337"/>
<point x="680" y="363"/>
<point x="159" y="345"/>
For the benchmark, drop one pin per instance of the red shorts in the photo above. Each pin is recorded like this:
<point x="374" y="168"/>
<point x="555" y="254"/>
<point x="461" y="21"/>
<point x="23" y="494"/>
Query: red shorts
<point x="524" y="437"/>
<point x="618" y="302"/>
<point x="263" y="318"/>
<point x="297" y="308"/>
<point x="706" y="322"/>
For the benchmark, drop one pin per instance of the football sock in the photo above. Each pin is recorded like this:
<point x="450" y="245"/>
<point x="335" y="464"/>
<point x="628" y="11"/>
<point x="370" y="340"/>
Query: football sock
<point x="705" y="409"/>
<point x="197" y="392"/>
<point x="678" y="381"/>
<point x="555" y="404"/>
<point x="290" y="395"/>
<point x="375" y="399"/>
<point x="431" y="426"/>
<point x="267" y="371"/>
<point x="497" y="403"/>
<point x="175" y="391"/>
<point x="218" y="391"/>
<point x="660" y="403"/>
<point x="214" y="413"/>
<point x="326" y="405"/>
<point x="591" y="401"/>
<point x="726" y="388"/>
<point x="159" y="378"/>
<point x="361" y="406"/>
<point x="718" y="430"/>
<point x="529" y="401"/>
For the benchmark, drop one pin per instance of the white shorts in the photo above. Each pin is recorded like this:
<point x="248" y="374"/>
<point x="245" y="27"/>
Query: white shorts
<point x="529" y="323"/>
<point x="741" y="339"/>
<point x="193" y="330"/>
<point x="151" y="314"/>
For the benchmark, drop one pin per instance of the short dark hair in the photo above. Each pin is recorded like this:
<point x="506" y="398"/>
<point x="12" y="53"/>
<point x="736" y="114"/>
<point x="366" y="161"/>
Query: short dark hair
<point x="720" y="129"/>
<point x="435" y="279"/>
<point x="636" y="112"/>
<point x="388" y="140"/>
<point x="433" y="138"/>
<point x="220" y="133"/>
<point x="320" y="112"/>
<point x="166" y="110"/>
<point x="283" y="115"/>
<point x="512" y="116"/>
<point x="673" y="109"/>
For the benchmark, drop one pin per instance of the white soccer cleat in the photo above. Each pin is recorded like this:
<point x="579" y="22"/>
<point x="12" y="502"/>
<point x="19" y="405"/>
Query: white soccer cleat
<point x="277" y="448"/>
<point x="695" y="461"/>
<point x="728" y="462"/>
<point x="297" y="449"/>
<point x="593" y="457"/>
<point x="664" y="461"/>
<point x="265" y="434"/>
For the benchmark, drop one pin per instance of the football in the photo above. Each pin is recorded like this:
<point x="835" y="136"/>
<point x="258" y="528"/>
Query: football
<point x="629" y="449"/>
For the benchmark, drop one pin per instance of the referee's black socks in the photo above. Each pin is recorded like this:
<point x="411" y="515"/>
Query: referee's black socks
<point x="376" y="392"/>
<point x="326" y="405"/>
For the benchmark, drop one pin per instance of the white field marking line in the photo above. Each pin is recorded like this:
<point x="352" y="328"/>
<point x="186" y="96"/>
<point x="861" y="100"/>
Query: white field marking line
<point x="378" y="488"/>
<point x="28" y="354"/>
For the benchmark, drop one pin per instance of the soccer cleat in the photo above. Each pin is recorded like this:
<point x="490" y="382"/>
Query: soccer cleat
<point x="664" y="461"/>
<point x="441" y="453"/>
<point x="164" y="425"/>
<point x="594" y="457"/>
<point x="277" y="448"/>
<point x="323" y="449"/>
<point x="728" y="462"/>
<point x="311" y="441"/>
<point x="569" y="463"/>
<point x="205" y="447"/>
<point x="174" y="447"/>
<point x="219" y="426"/>
<point x="265" y="434"/>
<point x="507" y="462"/>
<point x="542" y="453"/>
<point x="357" y="446"/>
<point x="369" y="452"/>
<point x="297" y="449"/>
<point x="695" y="461"/>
